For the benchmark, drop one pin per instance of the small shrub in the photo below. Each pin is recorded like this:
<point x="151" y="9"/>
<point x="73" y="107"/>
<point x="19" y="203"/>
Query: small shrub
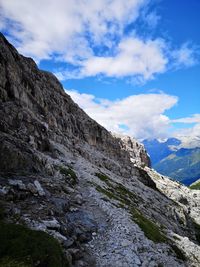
<point x="28" y="248"/>
<point x="103" y="177"/>
<point x="69" y="172"/>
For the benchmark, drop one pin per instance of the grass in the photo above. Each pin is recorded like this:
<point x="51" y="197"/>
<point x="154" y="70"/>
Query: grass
<point x="150" y="229"/>
<point x="117" y="192"/>
<point x="195" y="186"/>
<point x="128" y="199"/>
<point x="103" y="177"/>
<point x="23" y="247"/>
<point x="69" y="172"/>
<point x="7" y="262"/>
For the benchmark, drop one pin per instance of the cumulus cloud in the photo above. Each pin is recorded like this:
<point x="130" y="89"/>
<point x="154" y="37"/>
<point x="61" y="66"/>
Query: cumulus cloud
<point x="141" y="116"/>
<point x="133" y="57"/>
<point x="44" y="27"/>
<point x="90" y="35"/>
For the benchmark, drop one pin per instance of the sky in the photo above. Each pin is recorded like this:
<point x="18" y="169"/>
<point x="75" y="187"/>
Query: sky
<point x="133" y="66"/>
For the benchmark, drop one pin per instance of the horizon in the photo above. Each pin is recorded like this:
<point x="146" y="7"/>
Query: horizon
<point x="133" y="67"/>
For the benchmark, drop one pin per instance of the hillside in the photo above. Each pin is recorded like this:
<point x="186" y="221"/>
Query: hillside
<point x="183" y="165"/>
<point x="72" y="194"/>
<point x="159" y="150"/>
<point x="171" y="158"/>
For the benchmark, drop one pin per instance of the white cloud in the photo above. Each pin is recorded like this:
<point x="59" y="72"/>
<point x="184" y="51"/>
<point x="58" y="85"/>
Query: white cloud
<point x="48" y="26"/>
<point x="152" y="19"/>
<point x="133" y="57"/>
<point x="190" y="137"/>
<point x="185" y="56"/>
<point x="195" y="118"/>
<point x="141" y="116"/>
<point x="90" y="35"/>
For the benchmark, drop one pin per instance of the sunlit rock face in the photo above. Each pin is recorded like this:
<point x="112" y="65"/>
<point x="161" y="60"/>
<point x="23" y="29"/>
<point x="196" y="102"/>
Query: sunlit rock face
<point x="64" y="174"/>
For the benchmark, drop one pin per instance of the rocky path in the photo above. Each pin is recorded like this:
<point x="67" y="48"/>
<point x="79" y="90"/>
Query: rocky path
<point x="118" y="241"/>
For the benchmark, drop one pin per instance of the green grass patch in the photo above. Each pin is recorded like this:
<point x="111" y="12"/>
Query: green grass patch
<point x="150" y="229"/>
<point x="69" y="172"/>
<point x="7" y="262"/>
<point x="26" y="247"/>
<point x="195" y="186"/>
<point x="127" y="200"/>
<point x="118" y="191"/>
<point x="103" y="177"/>
<point x="107" y="192"/>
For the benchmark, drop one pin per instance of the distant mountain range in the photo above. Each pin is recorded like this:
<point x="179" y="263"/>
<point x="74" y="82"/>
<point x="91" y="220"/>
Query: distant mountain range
<point x="170" y="158"/>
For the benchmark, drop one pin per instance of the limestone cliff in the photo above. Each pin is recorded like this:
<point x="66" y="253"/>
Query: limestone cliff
<point x="64" y="174"/>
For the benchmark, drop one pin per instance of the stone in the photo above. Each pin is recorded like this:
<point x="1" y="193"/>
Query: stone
<point x="76" y="253"/>
<point x="78" y="199"/>
<point x="41" y="128"/>
<point x="31" y="187"/>
<point x="4" y="190"/>
<point x="52" y="224"/>
<point x="126" y="243"/>
<point x="39" y="188"/>
<point x="17" y="183"/>
<point x="68" y="242"/>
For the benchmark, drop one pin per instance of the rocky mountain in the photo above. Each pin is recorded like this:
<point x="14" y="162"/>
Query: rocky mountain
<point x="171" y="158"/>
<point x="182" y="165"/>
<point x="159" y="150"/>
<point x="72" y="194"/>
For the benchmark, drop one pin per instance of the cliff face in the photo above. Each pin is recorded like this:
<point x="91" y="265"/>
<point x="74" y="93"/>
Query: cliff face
<point x="35" y="110"/>
<point x="64" y="174"/>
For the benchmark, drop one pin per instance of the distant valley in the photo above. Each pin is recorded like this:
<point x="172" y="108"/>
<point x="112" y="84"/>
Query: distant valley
<point x="171" y="158"/>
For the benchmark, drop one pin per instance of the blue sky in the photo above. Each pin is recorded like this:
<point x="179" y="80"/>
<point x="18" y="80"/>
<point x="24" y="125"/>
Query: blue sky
<point x="133" y="66"/>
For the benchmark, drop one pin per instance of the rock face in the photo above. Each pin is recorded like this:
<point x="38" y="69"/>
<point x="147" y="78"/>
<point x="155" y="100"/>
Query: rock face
<point x="63" y="173"/>
<point x="137" y="152"/>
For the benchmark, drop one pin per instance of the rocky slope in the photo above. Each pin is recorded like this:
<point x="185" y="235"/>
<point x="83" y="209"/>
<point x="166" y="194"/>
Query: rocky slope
<point x="64" y="174"/>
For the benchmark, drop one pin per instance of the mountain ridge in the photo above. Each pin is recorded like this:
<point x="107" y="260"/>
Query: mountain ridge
<point x="63" y="174"/>
<point x="171" y="158"/>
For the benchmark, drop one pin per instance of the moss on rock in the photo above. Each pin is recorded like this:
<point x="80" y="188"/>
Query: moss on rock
<point x="69" y="172"/>
<point x="26" y="247"/>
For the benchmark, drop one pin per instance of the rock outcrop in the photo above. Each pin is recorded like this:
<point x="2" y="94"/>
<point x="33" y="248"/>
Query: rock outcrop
<point x="64" y="174"/>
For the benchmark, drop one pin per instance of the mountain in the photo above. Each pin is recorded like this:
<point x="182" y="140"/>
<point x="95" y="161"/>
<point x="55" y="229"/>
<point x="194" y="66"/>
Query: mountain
<point x="72" y="194"/>
<point x="172" y="159"/>
<point x="158" y="150"/>
<point x="182" y="165"/>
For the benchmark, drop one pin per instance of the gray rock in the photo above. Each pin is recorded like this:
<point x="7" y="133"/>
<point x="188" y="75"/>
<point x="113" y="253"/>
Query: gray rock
<point x="31" y="187"/>
<point x="39" y="188"/>
<point x="126" y="243"/>
<point x="78" y="199"/>
<point x="68" y="242"/>
<point x="52" y="224"/>
<point x="17" y="183"/>
<point x="4" y="190"/>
